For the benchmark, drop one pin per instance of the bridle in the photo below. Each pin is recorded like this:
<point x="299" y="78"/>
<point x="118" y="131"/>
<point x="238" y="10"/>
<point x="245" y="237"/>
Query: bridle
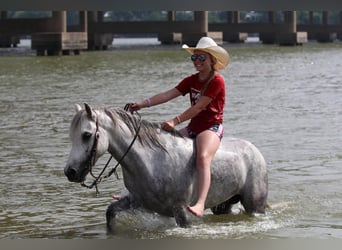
<point x="92" y="156"/>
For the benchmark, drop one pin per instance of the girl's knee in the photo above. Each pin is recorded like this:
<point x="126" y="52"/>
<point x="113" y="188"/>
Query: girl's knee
<point x="203" y="160"/>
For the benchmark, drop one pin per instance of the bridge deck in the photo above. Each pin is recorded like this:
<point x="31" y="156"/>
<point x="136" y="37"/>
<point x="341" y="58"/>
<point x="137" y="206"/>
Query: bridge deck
<point x="317" y="5"/>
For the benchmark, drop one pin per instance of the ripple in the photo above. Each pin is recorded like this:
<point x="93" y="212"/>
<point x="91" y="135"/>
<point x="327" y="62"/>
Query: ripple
<point x="284" y="100"/>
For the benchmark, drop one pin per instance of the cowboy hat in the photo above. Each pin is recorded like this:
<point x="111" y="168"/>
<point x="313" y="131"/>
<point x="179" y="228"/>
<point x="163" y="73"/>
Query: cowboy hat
<point x="208" y="45"/>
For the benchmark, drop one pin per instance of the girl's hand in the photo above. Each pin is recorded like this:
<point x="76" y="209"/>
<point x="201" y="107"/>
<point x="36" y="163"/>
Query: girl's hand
<point x="169" y="125"/>
<point x="134" y="107"/>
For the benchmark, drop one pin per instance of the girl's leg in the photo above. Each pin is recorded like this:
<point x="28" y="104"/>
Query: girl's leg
<point x="207" y="144"/>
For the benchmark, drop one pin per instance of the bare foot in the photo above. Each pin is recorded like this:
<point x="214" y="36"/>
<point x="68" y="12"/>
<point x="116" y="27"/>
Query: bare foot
<point x="196" y="210"/>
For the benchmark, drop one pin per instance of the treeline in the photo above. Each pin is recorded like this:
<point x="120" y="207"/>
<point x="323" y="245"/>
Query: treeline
<point x="213" y="16"/>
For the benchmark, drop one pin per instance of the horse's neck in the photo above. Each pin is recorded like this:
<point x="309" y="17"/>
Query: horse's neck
<point x="120" y="139"/>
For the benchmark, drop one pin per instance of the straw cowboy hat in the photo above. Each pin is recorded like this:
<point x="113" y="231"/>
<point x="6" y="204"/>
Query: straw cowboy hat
<point x="208" y="45"/>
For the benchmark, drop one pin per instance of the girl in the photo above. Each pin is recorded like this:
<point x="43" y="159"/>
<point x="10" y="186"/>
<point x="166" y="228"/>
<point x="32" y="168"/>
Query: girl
<point x="207" y="96"/>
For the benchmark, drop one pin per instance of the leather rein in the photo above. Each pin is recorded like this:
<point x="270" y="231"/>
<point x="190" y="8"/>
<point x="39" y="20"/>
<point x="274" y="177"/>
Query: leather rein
<point x="92" y="157"/>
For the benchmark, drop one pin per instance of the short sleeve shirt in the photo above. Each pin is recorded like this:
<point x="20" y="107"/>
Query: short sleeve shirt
<point x="213" y="114"/>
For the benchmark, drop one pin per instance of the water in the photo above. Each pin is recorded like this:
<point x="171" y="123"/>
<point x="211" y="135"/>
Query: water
<point x="286" y="100"/>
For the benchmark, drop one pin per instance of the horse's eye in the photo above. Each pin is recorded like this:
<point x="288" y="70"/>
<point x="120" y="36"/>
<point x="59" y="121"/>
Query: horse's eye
<point x="86" y="136"/>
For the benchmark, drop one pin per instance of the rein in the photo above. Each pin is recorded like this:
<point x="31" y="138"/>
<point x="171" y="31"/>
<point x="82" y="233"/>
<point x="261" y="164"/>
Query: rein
<point x="92" y="157"/>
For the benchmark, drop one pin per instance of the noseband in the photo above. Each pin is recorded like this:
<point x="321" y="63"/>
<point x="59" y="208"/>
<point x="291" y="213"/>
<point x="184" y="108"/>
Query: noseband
<point x="92" y="157"/>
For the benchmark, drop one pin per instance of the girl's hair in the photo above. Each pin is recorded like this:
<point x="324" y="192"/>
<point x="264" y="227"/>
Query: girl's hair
<point x="214" y="61"/>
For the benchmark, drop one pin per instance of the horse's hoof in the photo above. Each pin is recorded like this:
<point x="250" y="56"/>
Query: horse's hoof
<point x="181" y="217"/>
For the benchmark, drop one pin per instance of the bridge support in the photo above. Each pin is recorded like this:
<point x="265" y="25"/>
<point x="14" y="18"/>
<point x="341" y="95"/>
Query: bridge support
<point x="339" y="33"/>
<point x="233" y="36"/>
<point x="7" y="41"/>
<point x="325" y="36"/>
<point x="170" y="37"/>
<point x="187" y="32"/>
<point x="200" y="29"/>
<point x="58" y="41"/>
<point x="284" y="33"/>
<point x="322" y="32"/>
<point x="97" y="40"/>
<point x="51" y="36"/>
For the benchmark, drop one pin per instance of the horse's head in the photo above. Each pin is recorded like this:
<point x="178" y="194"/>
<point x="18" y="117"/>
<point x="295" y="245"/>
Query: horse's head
<point x="87" y="144"/>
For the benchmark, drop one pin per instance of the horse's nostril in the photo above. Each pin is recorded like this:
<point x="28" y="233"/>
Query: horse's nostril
<point x="70" y="173"/>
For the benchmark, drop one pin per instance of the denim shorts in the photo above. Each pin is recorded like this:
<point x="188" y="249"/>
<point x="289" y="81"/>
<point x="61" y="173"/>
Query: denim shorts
<point x="216" y="128"/>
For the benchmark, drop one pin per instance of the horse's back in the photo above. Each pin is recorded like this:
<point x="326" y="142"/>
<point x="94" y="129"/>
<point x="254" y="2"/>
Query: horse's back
<point x="245" y="149"/>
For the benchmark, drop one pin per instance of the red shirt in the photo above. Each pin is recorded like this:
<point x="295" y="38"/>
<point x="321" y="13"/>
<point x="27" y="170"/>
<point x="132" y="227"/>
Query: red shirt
<point x="213" y="114"/>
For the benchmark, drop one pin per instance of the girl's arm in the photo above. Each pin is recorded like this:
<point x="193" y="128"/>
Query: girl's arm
<point x="156" y="99"/>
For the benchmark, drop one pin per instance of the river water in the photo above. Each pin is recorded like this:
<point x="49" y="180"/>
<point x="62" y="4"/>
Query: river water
<point x="286" y="100"/>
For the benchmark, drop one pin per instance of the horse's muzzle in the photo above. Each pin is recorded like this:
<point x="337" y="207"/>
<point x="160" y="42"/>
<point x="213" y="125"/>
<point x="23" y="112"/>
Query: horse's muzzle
<point x="72" y="174"/>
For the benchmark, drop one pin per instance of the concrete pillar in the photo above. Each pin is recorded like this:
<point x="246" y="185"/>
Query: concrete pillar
<point x="100" y="16"/>
<point x="236" y="16"/>
<point x="83" y="21"/>
<point x="7" y="40"/>
<point x="201" y="20"/>
<point x="92" y="16"/>
<point x="233" y="16"/>
<point x="290" y="20"/>
<point x="171" y="16"/>
<point x="56" y="40"/>
<point x="200" y="29"/>
<point x="269" y="37"/>
<point x="97" y="41"/>
<point x="339" y="34"/>
<point x="325" y="36"/>
<point x="311" y="17"/>
<point x="233" y="36"/>
<point x="288" y="34"/>
<point x="311" y="35"/>
<point x="271" y="17"/>
<point x="58" y="21"/>
<point x="170" y="37"/>
<point x="325" y="15"/>
<point x="230" y="18"/>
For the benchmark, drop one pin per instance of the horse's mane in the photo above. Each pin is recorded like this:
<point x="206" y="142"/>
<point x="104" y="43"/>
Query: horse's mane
<point x="148" y="132"/>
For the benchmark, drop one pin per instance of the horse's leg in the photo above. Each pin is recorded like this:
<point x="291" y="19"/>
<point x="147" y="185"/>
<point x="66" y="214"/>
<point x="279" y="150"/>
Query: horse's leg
<point x="254" y="205"/>
<point x="254" y="202"/>
<point x="226" y="207"/>
<point x="254" y="194"/>
<point x="181" y="217"/>
<point x="122" y="204"/>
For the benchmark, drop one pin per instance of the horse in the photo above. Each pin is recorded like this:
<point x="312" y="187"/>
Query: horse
<point x="158" y="167"/>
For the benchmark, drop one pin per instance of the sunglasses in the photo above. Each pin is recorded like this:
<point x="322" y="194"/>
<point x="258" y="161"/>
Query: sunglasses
<point x="200" y="57"/>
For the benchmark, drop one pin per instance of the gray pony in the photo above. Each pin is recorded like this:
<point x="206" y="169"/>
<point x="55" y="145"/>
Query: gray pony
<point x="159" y="169"/>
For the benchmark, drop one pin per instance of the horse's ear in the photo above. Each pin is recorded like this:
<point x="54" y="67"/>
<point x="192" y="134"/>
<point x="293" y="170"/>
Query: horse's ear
<point x="78" y="108"/>
<point x="89" y="111"/>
